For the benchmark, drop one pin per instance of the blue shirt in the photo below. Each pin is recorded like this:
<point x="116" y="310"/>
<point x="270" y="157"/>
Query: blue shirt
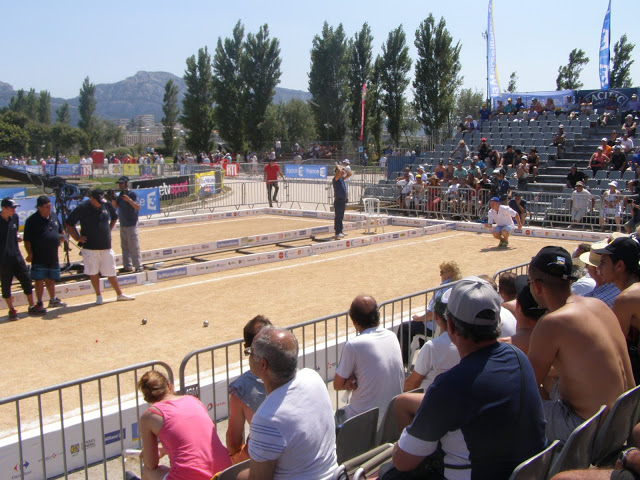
<point x="126" y="213"/>
<point x="339" y="189"/>
<point x="607" y="293"/>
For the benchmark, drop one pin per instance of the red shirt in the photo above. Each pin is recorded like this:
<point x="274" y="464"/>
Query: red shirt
<point x="271" y="172"/>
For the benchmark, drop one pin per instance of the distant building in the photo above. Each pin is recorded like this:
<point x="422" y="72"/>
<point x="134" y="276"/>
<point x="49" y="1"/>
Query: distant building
<point x="146" y="120"/>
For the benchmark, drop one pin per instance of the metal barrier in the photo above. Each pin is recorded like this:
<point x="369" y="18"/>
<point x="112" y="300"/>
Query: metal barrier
<point x="521" y="269"/>
<point x="51" y="439"/>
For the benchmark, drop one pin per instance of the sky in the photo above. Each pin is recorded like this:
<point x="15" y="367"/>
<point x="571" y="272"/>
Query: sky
<point x="54" y="45"/>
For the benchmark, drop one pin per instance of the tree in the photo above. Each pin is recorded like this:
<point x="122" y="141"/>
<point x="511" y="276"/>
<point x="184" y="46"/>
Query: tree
<point x="261" y="71"/>
<point x="171" y="113"/>
<point x="437" y="74"/>
<point x="297" y="118"/>
<point x="410" y="124"/>
<point x="229" y="89"/>
<point x="44" y="107"/>
<point x="13" y="138"/>
<point x="620" y="75"/>
<point x="31" y="105"/>
<point x="17" y="103"/>
<point x="569" y="75"/>
<point x="63" y="115"/>
<point x="374" y="107"/>
<point x="197" y="105"/>
<point x="359" y="71"/>
<point x="38" y="134"/>
<point x="468" y="102"/>
<point x="87" y="108"/>
<point x="513" y="79"/>
<point x="327" y="82"/>
<point x="63" y="137"/>
<point x="395" y="67"/>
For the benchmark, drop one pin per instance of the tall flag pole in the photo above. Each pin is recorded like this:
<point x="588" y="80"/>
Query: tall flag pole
<point x="605" y="53"/>
<point x="492" y="69"/>
<point x="364" y="96"/>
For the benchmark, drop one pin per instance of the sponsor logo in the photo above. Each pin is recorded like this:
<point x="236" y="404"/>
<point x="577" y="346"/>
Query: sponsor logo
<point x="527" y="232"/>
<point x="171" y="273"/>
<point x="348" y="244"/>
<point x="167" y="251"/>
<point x="112" y="437"/>
<point x="127" y="280"/>
<point x="228" y="243"/>
<point x="396" y="235"/>
<point x="134" y="431"/>
<point x="310" y="214"/>
<point x="166" y="221"/>
<point x="271" y="256"/>
<point x="229" y="214"/>
<point x="281" y="255"/>
<point x="302" y="233"/>
<point x="77" y="447"/>
<point x="319" y="230"/>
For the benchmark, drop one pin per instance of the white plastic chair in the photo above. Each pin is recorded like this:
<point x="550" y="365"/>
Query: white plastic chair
<point x="372" y="213"/>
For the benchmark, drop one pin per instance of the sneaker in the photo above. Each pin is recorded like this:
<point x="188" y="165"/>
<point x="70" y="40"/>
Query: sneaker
<point x="56" y="302"/>
<point x="139" y="269"/>
<point x="502" y="244"/>
<point x="124" y="298"/>
<point x="13" y="314"/>
<point x="99" y="300"/>
<point x="342" y="234"/>
<point x="37" y="310"/>
<point x="126" y="269"/>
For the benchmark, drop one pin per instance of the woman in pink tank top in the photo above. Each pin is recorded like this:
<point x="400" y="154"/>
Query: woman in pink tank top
<point x="186" y="433"/>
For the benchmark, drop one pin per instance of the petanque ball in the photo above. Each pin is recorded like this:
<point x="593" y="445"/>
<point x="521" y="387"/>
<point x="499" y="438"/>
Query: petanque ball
<point x="205" y="323"/>
<point x="144" y="321"/>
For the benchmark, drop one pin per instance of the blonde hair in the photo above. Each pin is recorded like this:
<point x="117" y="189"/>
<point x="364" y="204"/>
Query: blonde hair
<point x="154" y="386"/>
<point x="452" y="268"/>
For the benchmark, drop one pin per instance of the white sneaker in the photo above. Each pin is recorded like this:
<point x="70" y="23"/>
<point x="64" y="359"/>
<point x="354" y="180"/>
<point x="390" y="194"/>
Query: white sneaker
<point x="124" y="298"/>
<point x="99" y="300"/>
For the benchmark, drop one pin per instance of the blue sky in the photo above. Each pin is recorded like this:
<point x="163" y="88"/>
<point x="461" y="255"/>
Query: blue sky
<point x="54" y="45"/>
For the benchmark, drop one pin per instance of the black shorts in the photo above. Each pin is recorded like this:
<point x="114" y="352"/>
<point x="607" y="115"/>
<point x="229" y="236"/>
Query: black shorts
<point x="18" y="269"/>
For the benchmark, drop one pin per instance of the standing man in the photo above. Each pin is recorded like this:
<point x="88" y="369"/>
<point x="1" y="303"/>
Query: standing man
<point x="41" y="241"/>
<point x="339" y="200"/>
<point x="500" y="219"/>
<point x="97" y="218"/>
<point x="271" y="172"/>
<point x="11" y="262"/>
<point x="127" y="204"/>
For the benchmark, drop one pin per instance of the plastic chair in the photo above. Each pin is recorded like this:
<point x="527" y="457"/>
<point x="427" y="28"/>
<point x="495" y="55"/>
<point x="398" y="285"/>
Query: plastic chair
<point x="357" y="435"/>
<point x="340" y="473"/>
<point x="615" y="175"/>
<point x="389" y="431"/>
<point x="372" y="214"/>
<point x="617" y="426"/>
<point x="576" y="453"/>
<point x="383" y="455"/>
<point x="232" y="472"/>
<point x="537" y="466"/>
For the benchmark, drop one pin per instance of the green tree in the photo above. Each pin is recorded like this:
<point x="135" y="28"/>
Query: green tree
<point x="327" y="82"/>
<point x="410" y="124"/>
<point x="18" y="102"/>
<point x="374" y="106"/>
<point x="44" y="107"/>
<point x="13" y="139"/>
<point x="31" y="105"/>
<point x="171" y="112"/>
<point x="197" y="105"/>
<point x="229" y="89"/>
<point x="63" y="115"/>
<point x="395" y="80"/>
<point x="468" y="102"/>
<point x="87" y="108"/>
<point x="63" y="137"/>
<point x="620" y="75"/>
<point x="261" y="71"/>
<point x="38" y="135"/>
<point x="437" y="74"/>
<point x="359" y="70"/>
<point x="513" y="86"/>
<point x="569" y="75"/>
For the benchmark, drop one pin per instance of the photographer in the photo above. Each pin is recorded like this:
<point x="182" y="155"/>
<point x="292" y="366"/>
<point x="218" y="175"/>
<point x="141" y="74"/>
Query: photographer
<point x="126" y="202"/>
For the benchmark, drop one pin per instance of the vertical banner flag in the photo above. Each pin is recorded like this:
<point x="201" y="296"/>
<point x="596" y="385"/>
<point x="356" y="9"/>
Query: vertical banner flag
<point x="492" y="69"/>
<point x="364" y="96"/>
<point x="605" y="53"/>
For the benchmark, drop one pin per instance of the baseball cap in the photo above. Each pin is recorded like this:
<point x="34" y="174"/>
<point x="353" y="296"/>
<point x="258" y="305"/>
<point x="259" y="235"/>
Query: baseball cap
<point x="494" y="199"/>
<point x="469" y="297"/>
<point x="9" y="202"/>
<point x="346" y="160"/>
<point x="124" y="179"/>
<point x="554" y="261"/>
<point x="420" y="167"/>
<point x="579" y="184"/>
<point x="98" y="194"/>
<point x="483" y="139"/>
<point x="526" y="301"/>
<point x="560" y="126"/>
<point x="623" y="248"/>
<point x="604" y="139"/>
<point x="42" y="200"/>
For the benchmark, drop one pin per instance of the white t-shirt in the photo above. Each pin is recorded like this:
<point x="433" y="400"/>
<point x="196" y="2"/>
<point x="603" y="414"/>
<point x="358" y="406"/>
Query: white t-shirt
<point x="507" y="323"/>
<point x="583" y="285"/>
<point x="295" y="427"/>
<point x="581" y="200"/>
<point x="374" y="358"/>
<point x="436" y="356"/>
<point x="503" y="217"/>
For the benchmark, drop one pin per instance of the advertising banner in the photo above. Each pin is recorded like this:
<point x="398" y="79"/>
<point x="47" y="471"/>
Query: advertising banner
<point x="494" y="82"/>
<point x="605" y="53"/>
<point x="170" y="188"/>
<point x="19" y="192"/>
<point x="64" y="170"/>
<point x="306" y="171"/>
<point x="600" y="97"/>
<point x="149" y="200"/>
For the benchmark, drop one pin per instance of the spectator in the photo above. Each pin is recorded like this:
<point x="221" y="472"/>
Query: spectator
<point x="128" y="207"/>
<point x="581" y="203"/>
<point x="405" y="186"/>
<point x="626" y="143"/>
<point x="633" y="107"/>
<point x="500" y="221"/>
<point x="508" y="157"/>
<point x="497" y="374"/>
<point x="519" y="205"/>
<point x="507" y="287"/>
<point x="440" y="171"/>
<point x="433" y="192"/>
<point x="613" y="139"/>
<point x="503" y="189"/>
<point x="461" y="152"/>
<point x="574" y="176"/>
<point x="586" y="106"/>
<point x="607" y="292"/>
<point x="549" y="107"/>
<point x="611" y="202"/>
<point x="339" y="201"/>
<point x="271" y="172"/>
<point x="415" y="199"/>
<point x="522" y="173"/>
<point x="519" y="105"/>
<point x="598" y="161"/>
<point x="499" y="110"/>
<point x="620" y="264"/>
<point x="610" y="110"/>
<point x="483" y="149"/>
<point x="533" y="159"/>
<point x="634" y="206"/>
<point x="246" y="394"/>
<point x="459" y="172"/>
<point x="493" y="159"/>
<point x="474" y="169"/>
<point x="183" y="426"/>
<point x="583" y="283"/>
<point x="629" y="126"/>
<point x="292" y="433"/>
<point x="370" y="365"/>
<point x="594" y="368"/>
<point x="527" y="313"/>
<point x="559" y="140"/>
<point x="509" y="108"/>
<point x="618" y="160"/>
<point x="346" y="174"/>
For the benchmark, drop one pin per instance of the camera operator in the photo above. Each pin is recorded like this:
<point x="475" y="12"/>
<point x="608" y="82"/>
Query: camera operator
<point x="126" y="202"/>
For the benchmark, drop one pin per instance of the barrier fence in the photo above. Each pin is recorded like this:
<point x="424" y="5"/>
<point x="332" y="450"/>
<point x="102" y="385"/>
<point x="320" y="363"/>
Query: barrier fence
<point x="85" y="423"/>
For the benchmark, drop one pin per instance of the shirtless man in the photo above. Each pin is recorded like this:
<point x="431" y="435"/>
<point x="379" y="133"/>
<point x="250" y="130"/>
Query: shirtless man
<point x="581" y="338"/>
<point x="527" y="313"/>
<point x="619" y="264"/>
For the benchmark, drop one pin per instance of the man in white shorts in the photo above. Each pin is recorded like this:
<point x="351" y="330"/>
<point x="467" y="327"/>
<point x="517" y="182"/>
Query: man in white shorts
<point x="97" y="217"/>
<point x="500" y="219"/>
<point x="611" y="201"/>
<point x="581" y="202"/>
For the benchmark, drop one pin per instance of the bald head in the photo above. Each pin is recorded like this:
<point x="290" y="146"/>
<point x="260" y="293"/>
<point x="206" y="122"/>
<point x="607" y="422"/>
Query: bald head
<point x="279" y="348"/>
<point x="364" y="311"/>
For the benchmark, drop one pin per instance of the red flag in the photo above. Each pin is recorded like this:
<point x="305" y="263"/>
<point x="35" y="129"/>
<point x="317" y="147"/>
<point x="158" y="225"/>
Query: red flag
<point x="364" y="96"/>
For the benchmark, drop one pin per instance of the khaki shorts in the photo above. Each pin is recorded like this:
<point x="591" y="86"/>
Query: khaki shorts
<point x="99" y="261"/>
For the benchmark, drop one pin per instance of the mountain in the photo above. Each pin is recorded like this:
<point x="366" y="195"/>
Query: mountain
<point x="137" y="95"/>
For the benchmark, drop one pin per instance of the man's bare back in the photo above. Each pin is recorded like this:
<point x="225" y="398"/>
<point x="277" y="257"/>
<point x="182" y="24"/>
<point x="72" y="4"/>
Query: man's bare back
<point x="627" y="308"/>
<point x="583" y="341"/>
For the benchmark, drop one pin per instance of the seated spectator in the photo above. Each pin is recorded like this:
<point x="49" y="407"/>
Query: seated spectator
<point x="433" y="192"/>
<point x="613" y="139"/>
<point x="474" y="169"/>
<point x="618" y="160"/>
<point x="607" y="292"/>
<point x="483" y="149"/>
<point x="484" y="113"/>
<point x="404" y="186"/>
<point x="626" y="143"/>
<point x="423" y="324"/>
<point x="519" y="204"/>
<point x="459" y="172"/>
<point x="183" y="426"/>
<point x="581" y="203"/>
<point x="610" y="110"/>
<point x="574" y="176"/>
<point x="611" y="202"/>
<point x="586" y="107"/>
<point x="633" y="203"/>
<point x="527" y="313"/>
<point x="451" y="195"/>
<point x="533" y="159"/>
<point x="508" y="157"/>
<point x="531" y="114"/>
<point x="634" y="164"/>
<point x="522" y="172"/>
<point x="507" y="320"/>
<point x="583" y="282"/>
<point x="519" y="105"/>
<point x="559" y="140"/>
<point x="466" y="197"/>
<point x="414" y="201"/>
<point x="370" y="365"/>
<point x="549" y="107"/>
<point x="507" y="288"/>
<point x="492" y="389"/>
<point x="292" y="433"/>
<point x="460" y="152"/>
<point x="470" y="124"/>
<point x="440" y="171"/>
<point x="493" y="159"/>
<point x="246" y="394"/>
<point x="448" y="173"/>
<point x="572" y="109"/>
<point x="582" y="339"/>
<point x="629" y="126"/>
<point x="598" y="161"/>
<point x="502" y="187"/>
<point x="509" y="108"/>
<point x="499" y="110"/>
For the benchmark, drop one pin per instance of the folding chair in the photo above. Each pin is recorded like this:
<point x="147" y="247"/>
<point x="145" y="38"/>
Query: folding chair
<point x="232" y="472"/>
<point x="537" y="466"/>
<point x="357" y="435"/>
<point x="389" y="431"/>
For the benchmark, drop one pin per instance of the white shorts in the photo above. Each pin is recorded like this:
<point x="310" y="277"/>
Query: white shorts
<point x="99" y="261"/>
<point x="610" y="212"/>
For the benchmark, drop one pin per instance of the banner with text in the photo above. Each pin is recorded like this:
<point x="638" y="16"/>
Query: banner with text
<point x="169" y="188"/>
<point x="306" y="171"/>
